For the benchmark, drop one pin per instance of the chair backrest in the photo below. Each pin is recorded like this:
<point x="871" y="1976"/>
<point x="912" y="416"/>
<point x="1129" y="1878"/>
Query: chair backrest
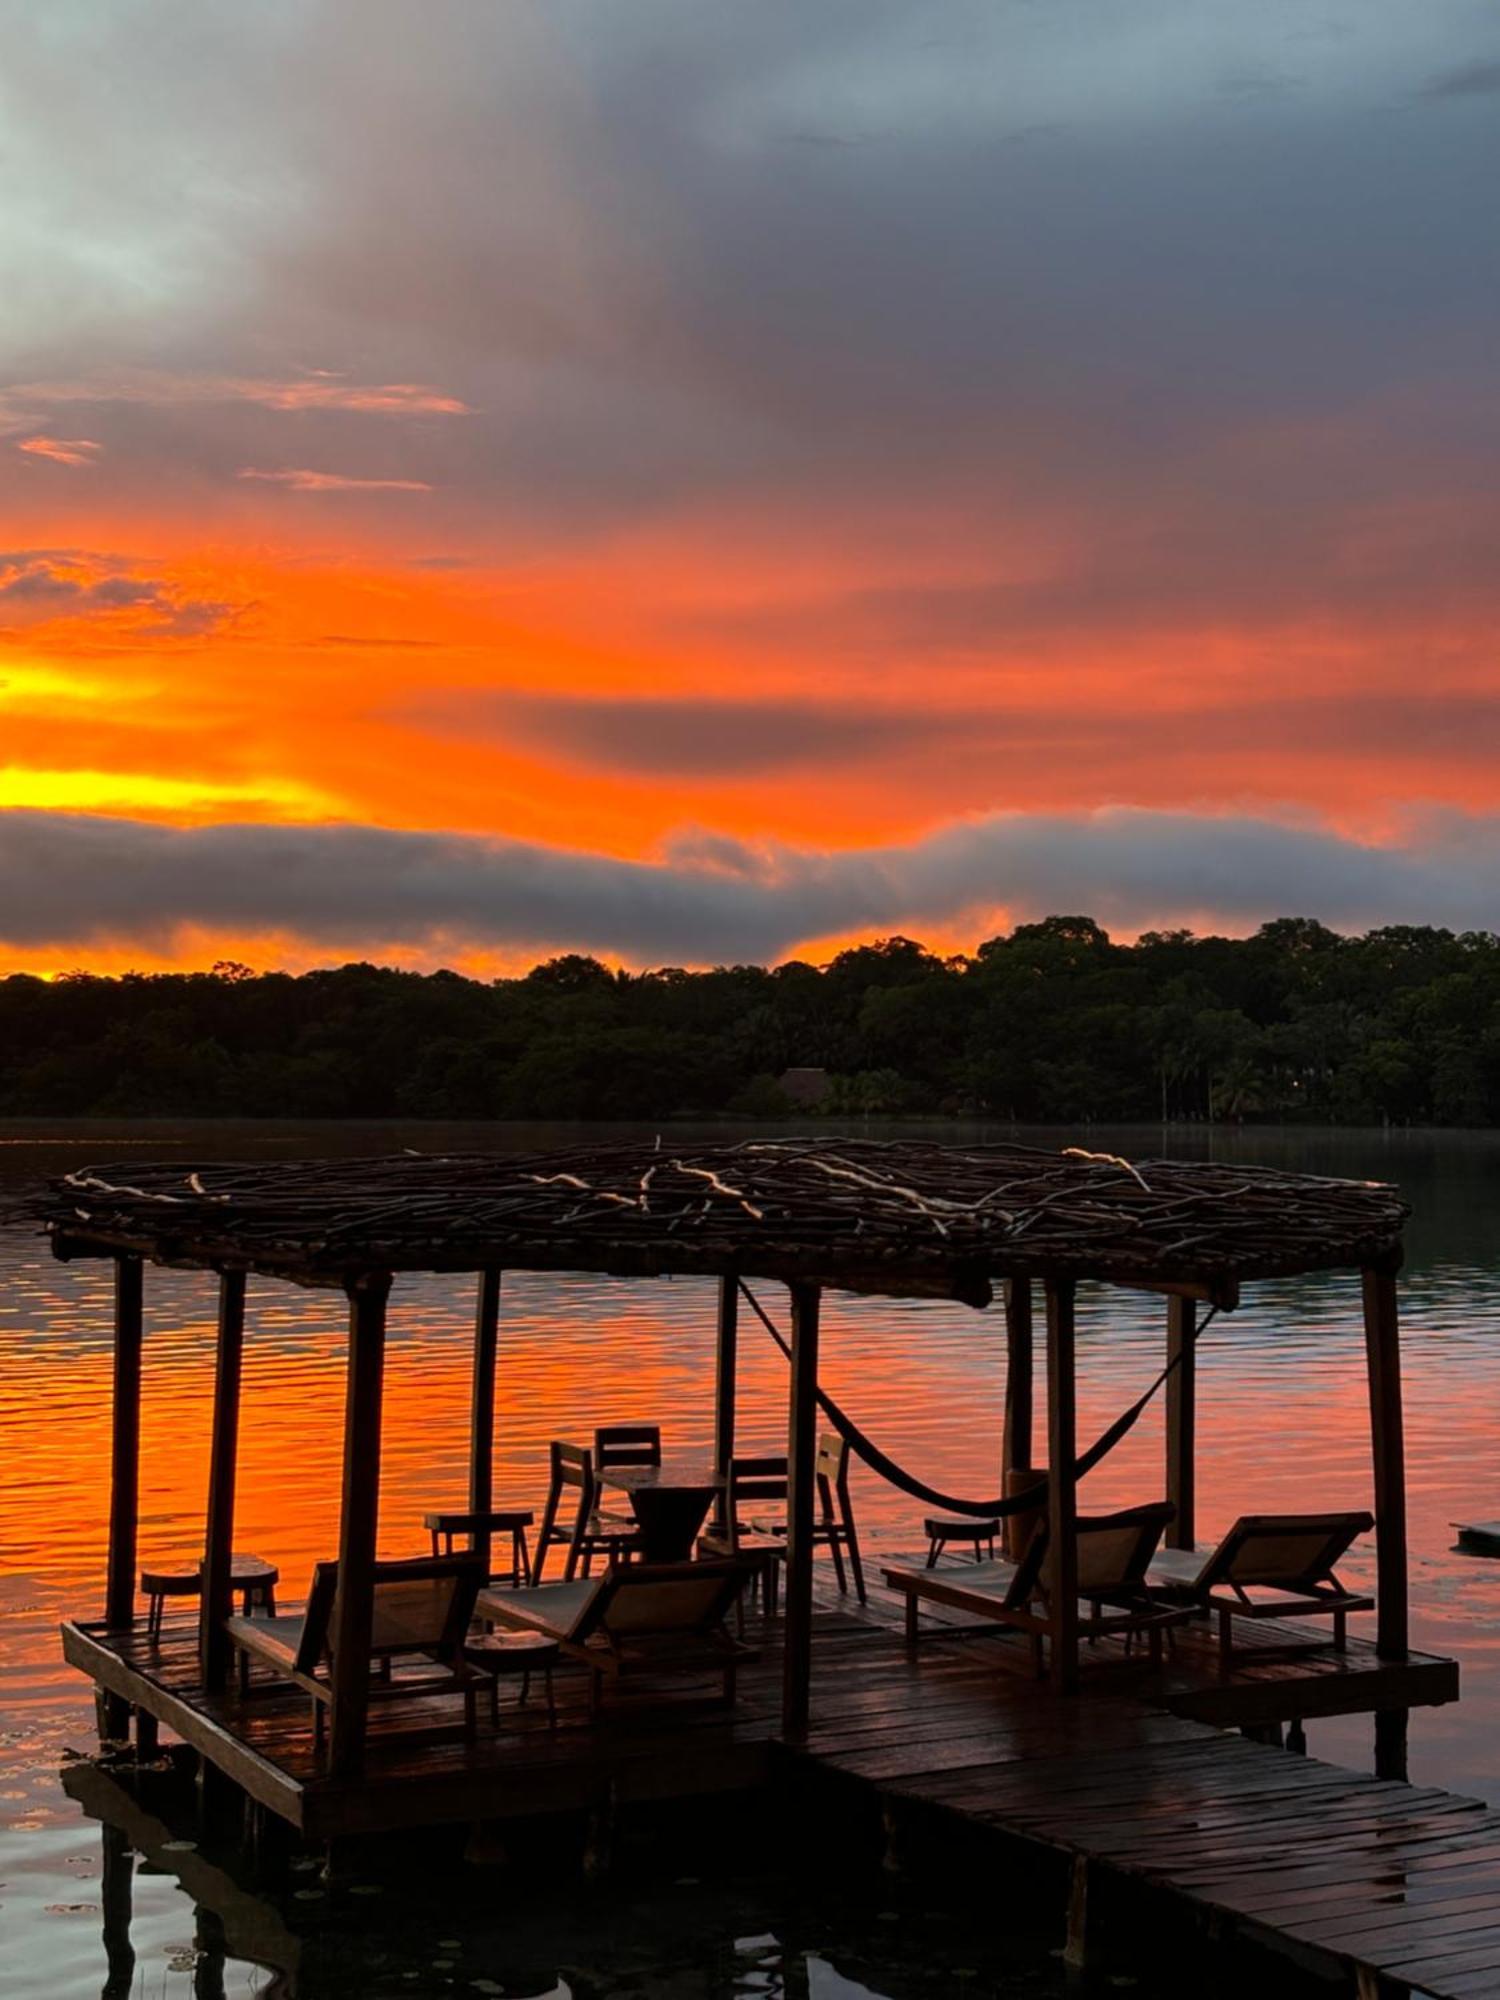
<point x="651" y="1600"/>
<point x="1114" y="1551"/>
<point x="831" y="1471"/>
<point x="757" y="1478"/>
<point x="1283" y="1551"/>
<point x="422" y="1606"/>
<point x="627" y="1444"/>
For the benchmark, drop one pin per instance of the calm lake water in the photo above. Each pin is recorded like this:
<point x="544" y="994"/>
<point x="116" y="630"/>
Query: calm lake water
<point x="1282" y="1423"/>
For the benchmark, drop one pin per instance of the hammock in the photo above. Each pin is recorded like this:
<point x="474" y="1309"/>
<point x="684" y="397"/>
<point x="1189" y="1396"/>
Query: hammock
<point x="1016" y="1503"/>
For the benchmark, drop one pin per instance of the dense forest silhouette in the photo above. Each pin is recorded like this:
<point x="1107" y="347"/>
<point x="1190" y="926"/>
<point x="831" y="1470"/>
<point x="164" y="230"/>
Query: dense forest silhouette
<point x="1054" y="1022"/>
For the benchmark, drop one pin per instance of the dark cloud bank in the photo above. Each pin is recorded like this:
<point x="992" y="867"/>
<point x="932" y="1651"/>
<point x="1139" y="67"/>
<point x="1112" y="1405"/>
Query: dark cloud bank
<point x="75" y="880"/>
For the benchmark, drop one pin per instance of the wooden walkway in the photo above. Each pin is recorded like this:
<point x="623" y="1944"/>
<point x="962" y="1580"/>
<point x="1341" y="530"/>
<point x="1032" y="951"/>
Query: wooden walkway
<point x="1386" y="1882"/>
<point x="1390" y="1882"/>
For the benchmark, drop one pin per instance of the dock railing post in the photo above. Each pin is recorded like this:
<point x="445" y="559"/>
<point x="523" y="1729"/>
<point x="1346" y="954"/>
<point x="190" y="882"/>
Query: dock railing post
<point x="359" y="1523"/>
<point x="726" y="1364"/>
<point x="1388" y="1446"/>
<point x="1182" y="1422"/>
<point x="217" y="1597"/>
<point x="482" y="1414"/>
<point x="125" y="1443"/>
<point x="1062" y="1488"/>
<point x="802" y="1444"/>
<point x="1016" y="1444"/>
<point x="124" y="1469"/>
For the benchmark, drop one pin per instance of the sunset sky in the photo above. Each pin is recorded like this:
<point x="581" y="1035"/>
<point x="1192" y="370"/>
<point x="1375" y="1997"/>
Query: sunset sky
<point x="699" y="481"/>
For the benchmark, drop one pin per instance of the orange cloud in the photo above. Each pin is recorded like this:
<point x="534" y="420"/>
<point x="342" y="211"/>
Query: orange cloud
<point x="62" y="451"/>
<point x="300" y="480"/>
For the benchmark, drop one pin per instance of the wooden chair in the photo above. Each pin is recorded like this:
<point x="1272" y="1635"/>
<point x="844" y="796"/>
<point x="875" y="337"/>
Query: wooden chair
<point x="758" y="1543"/>
<point x="635" y="1618"/>
<point x="1273" y="1566"/>
<point x="586" y="1530"/>
<point x="756" y="1480"/>
<point x="420" y="1608"/>
<point x="627" y="1444"/>
<point x="835" y="1529"/>
<point x="1114" y="1556"/>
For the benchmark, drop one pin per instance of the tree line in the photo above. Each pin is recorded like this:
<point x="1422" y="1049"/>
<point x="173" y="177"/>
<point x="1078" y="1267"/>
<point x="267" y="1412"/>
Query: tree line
<point x="1054" y="1022"/>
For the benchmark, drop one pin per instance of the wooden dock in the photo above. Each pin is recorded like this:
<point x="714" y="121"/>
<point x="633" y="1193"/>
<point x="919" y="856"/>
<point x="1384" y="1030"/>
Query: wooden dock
<point x="1399" y="1887"/>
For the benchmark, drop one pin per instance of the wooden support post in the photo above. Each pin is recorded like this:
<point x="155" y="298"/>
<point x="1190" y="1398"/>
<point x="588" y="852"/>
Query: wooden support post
<point x="359" y="1523"/>
<point x="1182" y="1421"/>
<point x="125" y="1454"/>
<point x="482" y="1414"/>
<point x="802" y="1447"/>
<point x="1062" y="1487"/>
<point x="726" y="1365"/>
<point x="1383" y="1353"/>
<point x="217" y="1599"/>
<point x="1390" y="1743"/>
<point x="1016" y="1449"/>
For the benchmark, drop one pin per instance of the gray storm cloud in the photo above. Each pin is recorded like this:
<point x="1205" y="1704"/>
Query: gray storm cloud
<point x="1196" y="280"/>
<point x="75" y="880"/>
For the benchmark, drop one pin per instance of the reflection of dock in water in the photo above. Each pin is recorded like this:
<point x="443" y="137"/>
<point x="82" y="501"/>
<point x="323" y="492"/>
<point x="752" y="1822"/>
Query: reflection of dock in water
<point x="231" y="1922"/>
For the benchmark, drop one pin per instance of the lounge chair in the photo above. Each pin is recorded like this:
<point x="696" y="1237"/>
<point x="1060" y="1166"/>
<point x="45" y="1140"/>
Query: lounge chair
<point x="636" y="1618"/>
<point x="420" y="1608"/>
<point x="1114" y="1553"/>
<point x="1286" y="1561"/>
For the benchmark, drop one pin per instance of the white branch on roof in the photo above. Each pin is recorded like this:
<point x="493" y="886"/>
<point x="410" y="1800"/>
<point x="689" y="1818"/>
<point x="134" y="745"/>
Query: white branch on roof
<point x="722" y="1187"/>
<point x="1106" y="1160"/>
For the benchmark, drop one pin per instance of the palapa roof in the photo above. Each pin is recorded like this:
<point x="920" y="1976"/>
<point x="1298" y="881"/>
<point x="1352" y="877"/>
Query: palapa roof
<point x="896" y="1218"/>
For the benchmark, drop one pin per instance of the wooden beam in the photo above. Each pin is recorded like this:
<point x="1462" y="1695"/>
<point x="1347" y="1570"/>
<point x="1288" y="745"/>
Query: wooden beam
<point x="726" y="1366"/>
<point x="125" y="1443"/>
<point x="217" y="1599"/>
<point x="1062" y="1487"/>
<point x="359" y="1523"/>
<point x="802" y="1449"/>
<point x="1015" y="1454"/>
<point x="482" y="1410"/>
<point x="1388" y="1445"/>
<point x="1182" y="1422"/>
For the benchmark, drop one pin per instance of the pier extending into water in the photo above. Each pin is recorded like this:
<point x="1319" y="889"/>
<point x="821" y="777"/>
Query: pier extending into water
<point x="1397" y="1886"/>
<point x="1125" y="1768"/>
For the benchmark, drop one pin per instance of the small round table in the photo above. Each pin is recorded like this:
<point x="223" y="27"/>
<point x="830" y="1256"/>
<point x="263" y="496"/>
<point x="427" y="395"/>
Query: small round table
<point x="510" y="1653"/>
<point x="255" y="1579"/>
<point x="941" y="1532"/>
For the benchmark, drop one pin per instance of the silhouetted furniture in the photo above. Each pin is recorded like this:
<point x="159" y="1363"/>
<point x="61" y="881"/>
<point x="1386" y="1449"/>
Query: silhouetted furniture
<point x="635" y="1619"/>
<point x="253" y="1578"/>
<point x="1113" y="1552"/>
<point x="940" y="1532"/>
<point x="626" y="1444"/>
<point x="421" y="1608"/>
<point x="750" y="1481"/>
<point x="512" y="1521"/>
<point x="1286" y="1561"/>
<point x="573" y="1515"/>
<point x="512" y="1655"/>
<point x="669" y="1504"/>
<point x="834" y="1529"/>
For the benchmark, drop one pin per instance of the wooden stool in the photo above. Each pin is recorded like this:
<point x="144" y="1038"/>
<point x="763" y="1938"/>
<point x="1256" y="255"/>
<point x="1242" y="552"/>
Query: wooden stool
<point x="511" y="1653"/>
<point x="512" y="1521"/>
<point x="255" y="1580"/>
<point x="940" y="1533"/>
